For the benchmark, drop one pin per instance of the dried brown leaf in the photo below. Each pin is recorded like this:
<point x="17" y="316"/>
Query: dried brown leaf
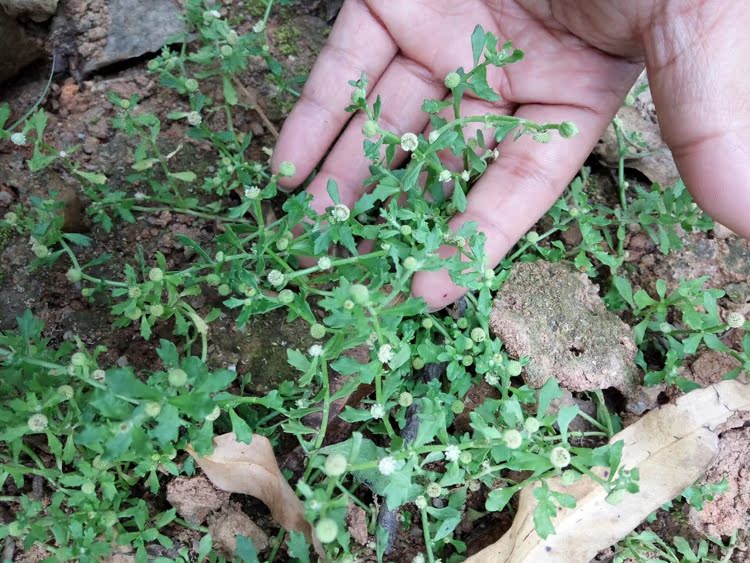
<point x="672" y="447"/>
<point x="251" y="469"/>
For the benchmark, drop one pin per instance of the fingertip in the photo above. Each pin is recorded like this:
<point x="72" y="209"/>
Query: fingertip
<point x="436" y="288"/>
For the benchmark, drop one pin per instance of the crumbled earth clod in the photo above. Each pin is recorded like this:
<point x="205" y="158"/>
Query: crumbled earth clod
<point x="231" y="522"/>
<point x="195" y="498"/>
<point x="554" y="315"/>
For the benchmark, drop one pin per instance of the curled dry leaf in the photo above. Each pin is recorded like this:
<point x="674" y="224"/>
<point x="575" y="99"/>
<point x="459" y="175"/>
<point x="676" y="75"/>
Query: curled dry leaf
<point x="251" y="469"/>
<point x="672" y="446"/>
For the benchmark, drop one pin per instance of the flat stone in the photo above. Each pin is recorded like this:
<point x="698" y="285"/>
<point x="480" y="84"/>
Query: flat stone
<point x="554" y="315"/>
<point x="38" y="10"/>
<point x="136" y="28"/>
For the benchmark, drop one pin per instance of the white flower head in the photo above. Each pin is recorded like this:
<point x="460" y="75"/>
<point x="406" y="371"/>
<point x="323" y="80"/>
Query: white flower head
<point x="324" y="263"/>
<point x="340" y="213"/>
<point x="465" y="176"/>
<point x="377" y="411"/>
<point x="252" y="192"/>
<point x="194" y="118"/>
<point x="452" y="453"/>
<point x="445" y="176"/>
<point x="409" y="142"/>
<point x="559" y="457"/>
<point x="418" y="558"/>
<point x="275" y="278"/>
<point x="385" y="353"/>
<point x="139" y="196"/>
<point x="18" y="139"/>
<point x="315" y="350"/>
<point x="259" y="26"/>
<point x="387" y="466"/>
<point x="735" y="319"/>
<point x="62" y="154"/>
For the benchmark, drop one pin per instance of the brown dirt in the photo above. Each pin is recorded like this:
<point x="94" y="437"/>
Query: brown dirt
<point x="231" y="522"/>
<point x="195" y="498"/>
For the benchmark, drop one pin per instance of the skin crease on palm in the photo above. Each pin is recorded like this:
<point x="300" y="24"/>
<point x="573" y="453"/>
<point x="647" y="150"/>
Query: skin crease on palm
<point x="582" y="57"/>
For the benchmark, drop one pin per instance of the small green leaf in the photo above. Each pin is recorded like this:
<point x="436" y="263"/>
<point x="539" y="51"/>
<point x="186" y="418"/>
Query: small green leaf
<point x="477" y="43"/>
<point x="184" y="176"/>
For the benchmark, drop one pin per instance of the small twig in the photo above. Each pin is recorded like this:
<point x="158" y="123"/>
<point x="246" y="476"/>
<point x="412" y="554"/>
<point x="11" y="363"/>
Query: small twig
<point x="252" y="102"/>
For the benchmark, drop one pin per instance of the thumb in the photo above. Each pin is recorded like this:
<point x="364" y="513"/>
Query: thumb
<point x="700" y="80"/>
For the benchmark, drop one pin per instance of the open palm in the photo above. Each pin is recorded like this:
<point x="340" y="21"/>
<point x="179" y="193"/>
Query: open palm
<point x="581" y="59"/>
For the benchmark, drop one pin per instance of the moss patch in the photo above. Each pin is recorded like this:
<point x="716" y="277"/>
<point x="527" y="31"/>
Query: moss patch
<point x="286" y="38"/>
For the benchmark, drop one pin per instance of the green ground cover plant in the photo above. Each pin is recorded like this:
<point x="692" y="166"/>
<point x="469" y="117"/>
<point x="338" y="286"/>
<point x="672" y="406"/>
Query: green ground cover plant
<point x="113" y="431"/>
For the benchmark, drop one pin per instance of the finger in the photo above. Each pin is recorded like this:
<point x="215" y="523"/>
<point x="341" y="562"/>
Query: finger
<point x="701" y="90"/>
<point x="518" y="189"/>
<point x="358" y="44"/>
<point x="402" y="88"/>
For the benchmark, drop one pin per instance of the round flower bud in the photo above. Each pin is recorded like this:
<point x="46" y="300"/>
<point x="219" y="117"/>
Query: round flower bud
<point x="191" y="85"/>
<point x="465" y="457"/>
<point x="514" y="368"/>
<point x="152" y="409"/>
<point x="340" y="213"/>
<point x="405" y="399"/>
<point x="462" y="323"/>
<point x="18" y="139"/>
<point x="409" y="142"/>
<point x="156" y="310"/>
<point x="110" y="519"/>
<point x="406" y="230"/>
<point x="125" y="104"/>
<point x="335" y="465"/>
<point x="420" y="502"/>
<point x="213" y="279"/>
<point x="445" y="176"/>
<point x="532" y="237"/>
<point x="177" y="377"/>
<point x="324" y="263"/>
<point x="385" y="353"/>
<point x="232" y="37"/>
<point x="348" y="304"/>
<point x="286" y="296"/>
<point x="559" y="457"/>
<point x="360" y="294"/>
<point x="512" y="438"/>
<point x="66" y="391"/>
<point x="74" y="275"/>
<point x="317" y="331"/>
<point x="542" y="137"/>
<point x="79" y="359"/>
<point x="282" y="244"/>
<point x="417" y="363"/>
<point x="427" y="323"/>
<point x="326" y="530"/>
<point x="410" y="263"/>
<point x="98" y="375"/>
<point x="287" y="169"/>
<point x="433" y="490"/>
<point x="224" y="290"/>
<point x="531" y="425"/>
<point x="11" y="218"/>
<point x="135" y="314"/>
<point x="37" y="423"/>
<point x="735" y="319"/>
<point x="467" y="360"/>
<point x="194" y="118"/>
<point x="478" y="335"/>
<point x="134" y="292"/>
<point x="275" y="278"/>
<point x="568" y="129"/>
<point x="457" y="407"/>
<point x="40" y="251"/>
<point x="226" y="50"/>
<point x="377" y="411"/>
<point x="452" y="79"/>
<point x="259" y="27"/>
<point x="315" y="351"/>
<point x="88" y="488"/>
<point x="213" y="415"/>
<point x="156" y="274"/>
<point x="370" y="128"/>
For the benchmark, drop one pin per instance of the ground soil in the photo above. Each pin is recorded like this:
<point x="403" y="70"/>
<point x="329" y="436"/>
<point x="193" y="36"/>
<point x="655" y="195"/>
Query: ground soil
<point x="79" y="114"/>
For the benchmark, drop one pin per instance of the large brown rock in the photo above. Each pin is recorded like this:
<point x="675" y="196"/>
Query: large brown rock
<point x="17" y="47"/>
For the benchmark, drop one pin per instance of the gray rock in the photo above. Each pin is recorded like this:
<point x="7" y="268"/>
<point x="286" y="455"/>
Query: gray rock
<point x="17" y="48"/>
<point x="38" y="10"/>
<point x="136" y="28"/>
<point x="554" y="315"/>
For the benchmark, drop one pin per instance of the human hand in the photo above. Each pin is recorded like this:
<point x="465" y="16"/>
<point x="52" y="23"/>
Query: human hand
<point x="581" y="59"/>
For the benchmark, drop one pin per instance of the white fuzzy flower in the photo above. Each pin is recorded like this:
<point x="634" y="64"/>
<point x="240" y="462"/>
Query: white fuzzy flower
<point x="445" y="176"/>
<point x="418" y="558"/>
<point x="252" y="192"/>
<point x="194" y="118"/>
<point x="340" y="213"/>
<point x="387" y="466"/>
<point x="465" y="176"/>
<point x="377" y="411"/>
<point x="420" y="502"/>
<point x="452" y="453"/>
<point x="735" y="319"/>
<point x="409" y="142"/>
<point x="139" y="196"/>
<point x="18" y="139"/>
<point x="62" y="154"/>
<point x="385" y="353"/>
<point x="324" y="263"/>
<point x="315" y="350"/>
<point x="275" y="278"/>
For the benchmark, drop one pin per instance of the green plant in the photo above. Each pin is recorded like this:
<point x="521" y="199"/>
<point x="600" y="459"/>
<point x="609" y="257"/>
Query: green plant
<point x="110" y="430"/>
